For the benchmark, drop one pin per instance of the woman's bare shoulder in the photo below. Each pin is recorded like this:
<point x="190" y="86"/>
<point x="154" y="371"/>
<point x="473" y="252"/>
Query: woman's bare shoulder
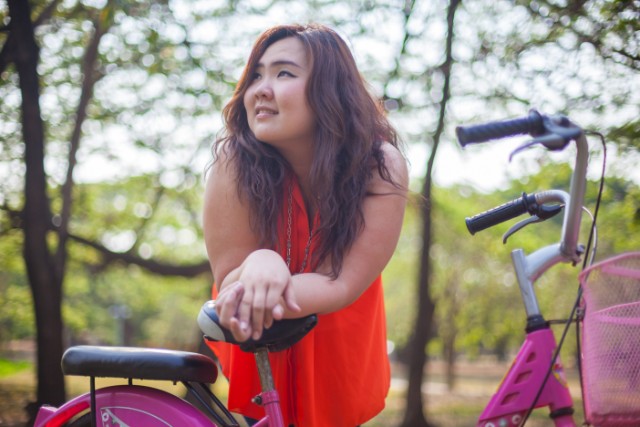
<point x="396" y="164"/>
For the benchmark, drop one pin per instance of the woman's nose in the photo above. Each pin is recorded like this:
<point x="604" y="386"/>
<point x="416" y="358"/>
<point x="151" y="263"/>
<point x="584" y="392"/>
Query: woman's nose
<point x="264" y="89"/>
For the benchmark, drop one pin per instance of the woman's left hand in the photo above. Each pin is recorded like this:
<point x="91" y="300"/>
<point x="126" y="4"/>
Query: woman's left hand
<point x="259" y="294"/>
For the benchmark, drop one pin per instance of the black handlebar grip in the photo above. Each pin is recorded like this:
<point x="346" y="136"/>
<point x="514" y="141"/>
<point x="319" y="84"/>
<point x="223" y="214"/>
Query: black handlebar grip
<point x="532" y="124"/>
<point x="501" y="213"/>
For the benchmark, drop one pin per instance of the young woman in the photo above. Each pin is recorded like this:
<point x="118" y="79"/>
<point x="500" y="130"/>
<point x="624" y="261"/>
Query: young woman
<point x="303" y="208"/>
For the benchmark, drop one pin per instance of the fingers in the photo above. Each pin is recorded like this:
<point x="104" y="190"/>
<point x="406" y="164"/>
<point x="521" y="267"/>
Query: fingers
<point x="228" y="303"/>
<point x="290" y="298"/>
<point x="258" y="313"/>
<point x="257" y="308"/>
<point x="285" y="298"/>
<point x="273" y="308"/>
<point x="278" y="312"/>
<point x="239" y="333"/>
<point x="245" y="310"/>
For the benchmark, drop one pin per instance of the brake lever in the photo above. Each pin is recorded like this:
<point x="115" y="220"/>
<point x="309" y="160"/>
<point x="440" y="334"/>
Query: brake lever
<point x="544" y="213"/>
<point x="519" y="226"/>
<point x="551" y="141"/>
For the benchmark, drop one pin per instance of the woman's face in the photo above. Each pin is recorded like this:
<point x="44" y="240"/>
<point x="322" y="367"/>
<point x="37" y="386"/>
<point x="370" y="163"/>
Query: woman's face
<point x="277" y="109"/>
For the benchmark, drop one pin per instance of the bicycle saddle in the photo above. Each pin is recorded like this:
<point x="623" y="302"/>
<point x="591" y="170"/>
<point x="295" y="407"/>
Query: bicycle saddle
<point x="140" y="363"/>
<point x="280" y="336"/>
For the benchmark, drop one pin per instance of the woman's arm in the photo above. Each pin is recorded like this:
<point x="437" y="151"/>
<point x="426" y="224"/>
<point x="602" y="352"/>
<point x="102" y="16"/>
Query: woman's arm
<point x="383" y="213"/>
<point x="235" y="257"/>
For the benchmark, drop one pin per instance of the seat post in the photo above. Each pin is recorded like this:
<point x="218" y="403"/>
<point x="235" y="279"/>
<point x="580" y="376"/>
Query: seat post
<point x="264" y="369"/>
<point x="269" y="397"/>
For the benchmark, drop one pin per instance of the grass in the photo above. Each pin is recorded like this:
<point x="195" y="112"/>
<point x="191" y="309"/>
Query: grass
<point x="10" y="367"/>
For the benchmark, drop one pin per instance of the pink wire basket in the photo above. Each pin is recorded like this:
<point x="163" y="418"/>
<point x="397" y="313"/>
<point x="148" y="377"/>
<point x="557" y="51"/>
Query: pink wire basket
<point x="611" y="341"/>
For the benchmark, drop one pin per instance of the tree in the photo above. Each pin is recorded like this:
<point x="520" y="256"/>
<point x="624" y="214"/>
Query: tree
<point x="46" y="263"/>
<point x="43" y="273"/>
<point x="414" y="414"/>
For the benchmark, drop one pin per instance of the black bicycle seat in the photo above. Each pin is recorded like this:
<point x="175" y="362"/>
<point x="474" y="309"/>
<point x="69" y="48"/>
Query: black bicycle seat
<point x="280" y="336"/>
<point x="138" y="363"/>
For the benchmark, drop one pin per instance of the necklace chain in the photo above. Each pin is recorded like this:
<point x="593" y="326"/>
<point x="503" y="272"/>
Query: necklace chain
<point x="289" y="221"/>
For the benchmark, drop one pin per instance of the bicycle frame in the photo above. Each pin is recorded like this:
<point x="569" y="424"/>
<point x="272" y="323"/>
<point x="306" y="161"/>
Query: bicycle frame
<point x="519" y="389"/>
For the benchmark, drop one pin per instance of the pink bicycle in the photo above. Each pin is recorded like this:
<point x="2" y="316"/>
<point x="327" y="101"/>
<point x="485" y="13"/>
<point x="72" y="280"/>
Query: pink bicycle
<point x="609" y="297"/>
<point x="131" y="405"/>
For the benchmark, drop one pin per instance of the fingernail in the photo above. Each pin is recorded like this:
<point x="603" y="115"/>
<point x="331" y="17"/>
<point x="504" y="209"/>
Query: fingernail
<point x="256" y="335"/>
<point x="244" y="325"/>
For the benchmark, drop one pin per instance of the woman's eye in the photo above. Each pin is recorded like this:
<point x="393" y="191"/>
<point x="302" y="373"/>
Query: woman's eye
<point x="255" y="76"/>
<point x="285" y="73"/>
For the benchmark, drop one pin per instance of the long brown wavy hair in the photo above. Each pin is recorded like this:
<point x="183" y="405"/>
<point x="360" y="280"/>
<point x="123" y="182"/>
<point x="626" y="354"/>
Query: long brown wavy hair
<point x="350" y="129"/>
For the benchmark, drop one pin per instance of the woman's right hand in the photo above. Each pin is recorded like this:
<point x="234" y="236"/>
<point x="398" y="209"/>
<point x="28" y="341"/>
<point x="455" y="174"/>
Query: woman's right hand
<point x="256" y="296"/>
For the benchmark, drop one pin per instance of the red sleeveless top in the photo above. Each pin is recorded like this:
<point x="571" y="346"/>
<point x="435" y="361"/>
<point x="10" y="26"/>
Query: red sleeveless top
<point x="338" y="375"/>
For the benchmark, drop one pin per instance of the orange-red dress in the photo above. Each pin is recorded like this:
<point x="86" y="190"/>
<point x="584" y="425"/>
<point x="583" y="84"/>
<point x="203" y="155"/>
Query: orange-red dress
<point x="336" y="376"/>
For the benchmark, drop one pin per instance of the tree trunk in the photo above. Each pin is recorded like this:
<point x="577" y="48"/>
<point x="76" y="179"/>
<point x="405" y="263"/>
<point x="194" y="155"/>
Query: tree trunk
<point x="414" y="414"/>
<point x="45" y="283"/>
<point x="450" y="359"/>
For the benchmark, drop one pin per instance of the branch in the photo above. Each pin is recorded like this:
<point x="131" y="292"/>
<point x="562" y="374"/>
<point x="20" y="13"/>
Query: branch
<point x="88" y="84"/>
<point x="7" y="51"/>
<point x="446" y="92"/>
<point x="408" y="11"/>
<point x="46" y="14"/>
<point x="15" y="218"/>
<point x="160" y="268"/>
<point x="110" y="257"/>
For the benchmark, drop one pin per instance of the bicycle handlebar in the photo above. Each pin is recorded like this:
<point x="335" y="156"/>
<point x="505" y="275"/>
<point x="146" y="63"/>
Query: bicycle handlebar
<point x="554" y="133"/>
<point x="502" y="213"/>
<point x="532" y="125"/>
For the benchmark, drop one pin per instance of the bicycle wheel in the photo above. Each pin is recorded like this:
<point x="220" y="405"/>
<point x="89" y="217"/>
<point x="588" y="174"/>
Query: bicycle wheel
<point x="81" y="421"/>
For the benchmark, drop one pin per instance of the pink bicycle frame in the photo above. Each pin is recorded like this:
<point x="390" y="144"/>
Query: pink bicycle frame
<point x="520" y="386"/>
<point x="271" y="402"/>
<point x="528" y="372"/>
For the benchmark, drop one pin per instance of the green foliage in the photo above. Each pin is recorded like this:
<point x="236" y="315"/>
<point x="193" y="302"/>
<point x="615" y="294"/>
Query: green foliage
<point x="164" y="71"/>
<point x="162" y="309"/>
<point x="399" y="278"/>
<point x="141" y="215"/>
<point x="9" y="367"/>
<point x="478" y="303"/>
<point x="16" y="313"/>
<point x="159" y="311"/>
<point x="151" y="221"/>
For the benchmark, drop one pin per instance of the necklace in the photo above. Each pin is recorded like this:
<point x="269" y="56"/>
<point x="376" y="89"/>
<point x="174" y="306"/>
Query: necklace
<point x="289" y="220"/>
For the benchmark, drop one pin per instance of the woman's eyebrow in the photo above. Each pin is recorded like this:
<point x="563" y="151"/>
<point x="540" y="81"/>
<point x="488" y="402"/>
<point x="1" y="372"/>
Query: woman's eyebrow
<point x="278" y="63"/>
